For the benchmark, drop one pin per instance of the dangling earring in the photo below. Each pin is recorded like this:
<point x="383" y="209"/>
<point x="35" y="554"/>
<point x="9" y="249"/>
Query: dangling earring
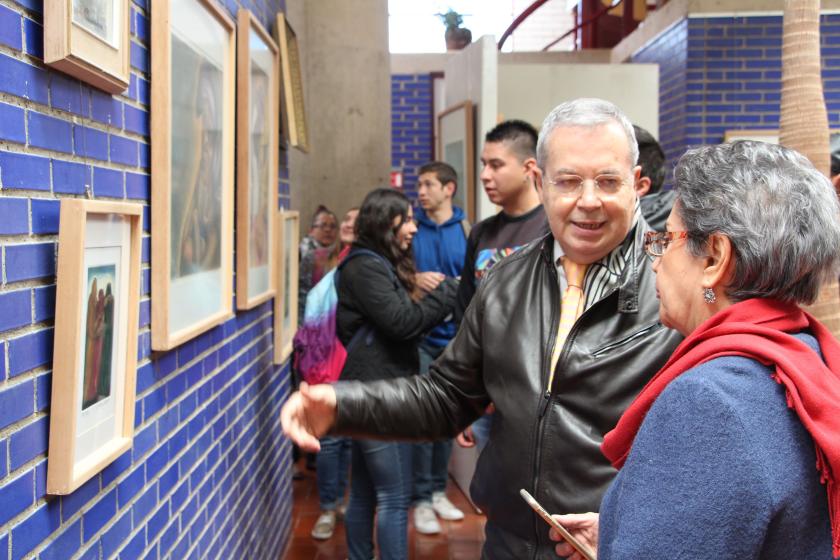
<point x="709" y="295"/>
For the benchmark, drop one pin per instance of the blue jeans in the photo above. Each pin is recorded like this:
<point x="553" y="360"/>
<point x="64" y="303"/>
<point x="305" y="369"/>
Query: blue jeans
<point x="380" y="484"/>
<point x="431" y="459"/>
<point x="332" y="462"/>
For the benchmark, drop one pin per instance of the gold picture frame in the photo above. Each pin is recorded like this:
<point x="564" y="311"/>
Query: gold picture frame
<point x="456" y="146"/>
<point x="295" y="132"/>
<point x="90" y="41"/>
<point x="286" y="301"/>
<point x="257" y="138"/>
<point x="95" y="349"/>
<point x="193" y="131"/>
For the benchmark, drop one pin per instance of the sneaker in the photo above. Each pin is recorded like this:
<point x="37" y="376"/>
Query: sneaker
<point x="425" y="520"/>
<point x="325" y="526"/>
<point x="444" y="508"/>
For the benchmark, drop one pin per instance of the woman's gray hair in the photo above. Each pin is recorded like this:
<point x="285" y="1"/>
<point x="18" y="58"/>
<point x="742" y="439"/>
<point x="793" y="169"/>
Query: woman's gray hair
<point x="781" y="215"/>
<point x="587" y="112"/>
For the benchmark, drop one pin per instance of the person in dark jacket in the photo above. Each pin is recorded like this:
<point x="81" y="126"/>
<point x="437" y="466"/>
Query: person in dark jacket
<point x="656" y="204"/>
<point x="559" y="356"/>
<point x="717" y="454"/>
<point x="382" y="316"/>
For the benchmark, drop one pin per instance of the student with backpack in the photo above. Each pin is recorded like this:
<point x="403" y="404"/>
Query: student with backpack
<point x="382" y="316"/>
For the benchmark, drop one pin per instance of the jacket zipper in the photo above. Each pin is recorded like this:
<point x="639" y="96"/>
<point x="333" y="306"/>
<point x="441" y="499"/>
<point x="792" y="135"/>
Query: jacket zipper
<point x="624" y="341"/>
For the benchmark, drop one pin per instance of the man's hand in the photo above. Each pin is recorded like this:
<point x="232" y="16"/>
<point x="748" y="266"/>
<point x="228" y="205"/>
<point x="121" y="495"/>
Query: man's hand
<point x="308" y="415"/>
<point x="428" y="281"/>
<point x="466" y="438"/>
<point x="582" y="526"/>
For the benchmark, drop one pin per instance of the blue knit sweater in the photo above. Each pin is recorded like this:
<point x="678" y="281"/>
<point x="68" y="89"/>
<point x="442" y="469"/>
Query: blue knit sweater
<point x="720" y="469"/>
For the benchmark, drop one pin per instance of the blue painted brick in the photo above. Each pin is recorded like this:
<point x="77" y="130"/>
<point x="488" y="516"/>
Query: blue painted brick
<point x="115" y="536"/>
<point x="35" y="528"/>
<point x="145" y="313"/>
<point x="144" y="156"/>
<point x="157" y="522"/>
<point x="135" y="547"/>
<point x="16" y="403"/>
<point x="123" y="150"/>
<point x="44" y="303"/>
<point x="17" y="309"/>
<point x="12" y="125"/>
<point x="16" y="495"/>
<point x="50" y="133"/>
<point x="65" y="545"/>
<point x="33" y="5"/>
<point x="90" y="143"/>
<point x="108" y="182"/>
<point x="176" y="386"/>
<point x="40" y="479"/>
<point x="13" y="216"/>
<point x="145" y="503"/>
<point x="43" y="386"/>
<point x="30" y="351"/>
<point x="45" y="215"/>
<point x="69" y="95"/>
<point x="74" y="502"/>
<point x="4" y="470"/>
<point x="143" y="92"/>
<point x="24" y="171"/>
<point x="106" y="108"/>
<point x="130" y="487"/>
<point x="143" y="441"/>
<point x="167" y="422"/>
<point x="116" y="468"/>
<point x="145" y="374"/>
<point x="99" y="515"/>
<point x="27" y="443"/>
<point x="156" y="461"/>
<point x="90" y="553"/>
<point x="29" y="260"/>
<point x="34" y="33"/>
<point x="10" y="34"/>
<point x="169" y="537"/>
<point x="139" y="58"/>
<point x="136" y="120"/>
<point x="69" y="177"/>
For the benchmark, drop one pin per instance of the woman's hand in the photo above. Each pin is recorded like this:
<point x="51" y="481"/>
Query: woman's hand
<point x="428" y="281"/>
<point x="582" y="526"/>
<point x="308" y="415"/>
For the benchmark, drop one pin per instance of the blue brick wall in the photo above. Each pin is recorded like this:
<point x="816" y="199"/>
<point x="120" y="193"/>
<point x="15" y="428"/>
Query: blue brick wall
<point x="412" y="129"/>
<point x="208" y="475"/>
<point x="724" y="73"/>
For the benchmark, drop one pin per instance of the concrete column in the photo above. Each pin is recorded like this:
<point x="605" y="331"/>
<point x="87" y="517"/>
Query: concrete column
<point x="347" y="93"/>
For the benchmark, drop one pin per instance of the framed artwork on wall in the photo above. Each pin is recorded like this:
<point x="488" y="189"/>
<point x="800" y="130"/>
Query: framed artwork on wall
<point x="89" y="39"/>
<point x="760" y="135"/>
<point x="456" y="146"/>
<point x="295" y="132"/>
<point x="257" y="108"/>
<point x="286" y="301"/>
<point x="193" y="61"/>
<point x="95" y="349"/>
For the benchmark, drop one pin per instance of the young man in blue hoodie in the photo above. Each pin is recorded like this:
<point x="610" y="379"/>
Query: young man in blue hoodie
<point x="439" y="248"/>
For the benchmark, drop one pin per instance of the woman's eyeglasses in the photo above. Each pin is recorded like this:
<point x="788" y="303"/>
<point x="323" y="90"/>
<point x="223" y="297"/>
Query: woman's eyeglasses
<point x="656" y="242"/>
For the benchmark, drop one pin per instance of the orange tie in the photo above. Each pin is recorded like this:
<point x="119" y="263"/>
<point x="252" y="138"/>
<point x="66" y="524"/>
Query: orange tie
<point x="570" y="310"/>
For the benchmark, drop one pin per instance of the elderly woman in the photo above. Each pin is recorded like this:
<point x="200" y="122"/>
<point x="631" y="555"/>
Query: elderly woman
<point x="732" y="451"/>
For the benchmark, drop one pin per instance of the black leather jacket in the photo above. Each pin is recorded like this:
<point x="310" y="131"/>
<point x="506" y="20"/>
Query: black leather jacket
<point x="548" y="444"/>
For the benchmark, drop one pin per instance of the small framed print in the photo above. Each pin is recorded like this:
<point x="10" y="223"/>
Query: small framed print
<point x="771" y="136"/>
<point x="294" y="118"/>
<point x="89" y="39"/>
<point x="286" y="300"/>
<point x="95" y="350"/>
<point x="257" y="136"/>
<point x="456" y="146"/>
<point x="193" y="126"/>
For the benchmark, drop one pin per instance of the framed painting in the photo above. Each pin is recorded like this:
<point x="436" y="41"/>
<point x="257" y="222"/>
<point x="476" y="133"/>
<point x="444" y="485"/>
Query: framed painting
<point x="257" y="108"/>
<point x="286" y="301"/>
<point x="761" y="135"/>
<point x="193" y="126"/>
<point x="89" y="39"/>
<point x="95" y="349"/>
<point x="294" y="118"/>
<point x="456" y="146"/>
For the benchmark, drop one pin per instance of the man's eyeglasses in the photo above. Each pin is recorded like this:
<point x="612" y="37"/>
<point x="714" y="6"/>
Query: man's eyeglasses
<point x="568" y="185"/>
<point x="656" y="242"/>
<point x="325" y="226"/>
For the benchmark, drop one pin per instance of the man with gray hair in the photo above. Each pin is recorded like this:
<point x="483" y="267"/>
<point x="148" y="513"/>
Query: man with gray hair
<point x="560" y="336"/>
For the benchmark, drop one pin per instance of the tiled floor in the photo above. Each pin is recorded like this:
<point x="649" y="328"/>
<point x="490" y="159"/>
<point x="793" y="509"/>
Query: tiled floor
<point x="459" y="539"/>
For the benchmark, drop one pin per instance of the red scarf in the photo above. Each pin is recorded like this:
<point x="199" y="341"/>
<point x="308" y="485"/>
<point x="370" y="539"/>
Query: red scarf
<point x="757" y="328"/>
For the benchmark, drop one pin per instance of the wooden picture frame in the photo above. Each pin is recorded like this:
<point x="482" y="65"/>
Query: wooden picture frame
<point x="456" y="146"/>
<point x="295" y="132"/>
<point x="288" y="278"/>
<point x="257" y="137"/>
<point x="193" y="130"/>
<point x="90" y="40"/>
<point x="771" y="136"/>
<point x="95" y="348"/>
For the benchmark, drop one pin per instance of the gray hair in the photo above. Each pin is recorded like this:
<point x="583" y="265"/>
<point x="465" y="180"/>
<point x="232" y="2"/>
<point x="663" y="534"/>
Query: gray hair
<point x="781" y="215"/>
<point x="588" y="112"/>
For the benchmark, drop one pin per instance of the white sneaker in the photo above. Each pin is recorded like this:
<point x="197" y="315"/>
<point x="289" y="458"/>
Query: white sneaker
<point x="325" y="526"/>
<point x="425" y="520"/>
<point x="444" y="508"/>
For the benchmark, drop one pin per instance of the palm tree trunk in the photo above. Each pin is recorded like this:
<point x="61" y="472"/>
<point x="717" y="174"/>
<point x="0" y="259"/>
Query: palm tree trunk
<point x="803" y="120"/>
